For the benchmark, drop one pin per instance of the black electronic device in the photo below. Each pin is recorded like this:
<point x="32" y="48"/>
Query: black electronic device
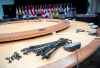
<point x="45" y="50"/>
<point x="72" y="46"/>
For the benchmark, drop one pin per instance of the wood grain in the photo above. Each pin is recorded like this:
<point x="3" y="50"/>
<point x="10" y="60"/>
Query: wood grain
<point x="18" y="32"/>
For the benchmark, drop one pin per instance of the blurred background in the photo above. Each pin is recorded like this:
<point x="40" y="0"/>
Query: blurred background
<point x="85" y="10"/>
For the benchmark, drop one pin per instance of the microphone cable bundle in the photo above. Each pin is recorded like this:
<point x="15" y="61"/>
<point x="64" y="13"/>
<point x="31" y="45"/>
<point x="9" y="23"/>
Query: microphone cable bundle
<point x="47" y="49"/>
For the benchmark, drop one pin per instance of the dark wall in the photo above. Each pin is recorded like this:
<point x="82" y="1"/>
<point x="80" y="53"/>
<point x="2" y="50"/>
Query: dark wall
<point x="98" y="6"/>
<point x="81" y="6"/>
<point x="40" y="1"/>
<point x="9" y="11"/>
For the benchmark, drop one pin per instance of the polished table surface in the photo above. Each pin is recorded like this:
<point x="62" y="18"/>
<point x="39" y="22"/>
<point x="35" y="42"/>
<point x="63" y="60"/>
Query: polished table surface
<point x="23" y="29"/>
<point x="59" y="59"/>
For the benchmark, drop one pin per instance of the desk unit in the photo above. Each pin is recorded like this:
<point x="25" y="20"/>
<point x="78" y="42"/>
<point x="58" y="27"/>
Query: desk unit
<point x="59" y="59"/>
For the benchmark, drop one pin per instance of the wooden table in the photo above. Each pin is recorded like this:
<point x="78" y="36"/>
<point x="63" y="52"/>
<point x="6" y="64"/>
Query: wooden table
<point x="59" y="59"/>
<point x="24" y="29"/>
